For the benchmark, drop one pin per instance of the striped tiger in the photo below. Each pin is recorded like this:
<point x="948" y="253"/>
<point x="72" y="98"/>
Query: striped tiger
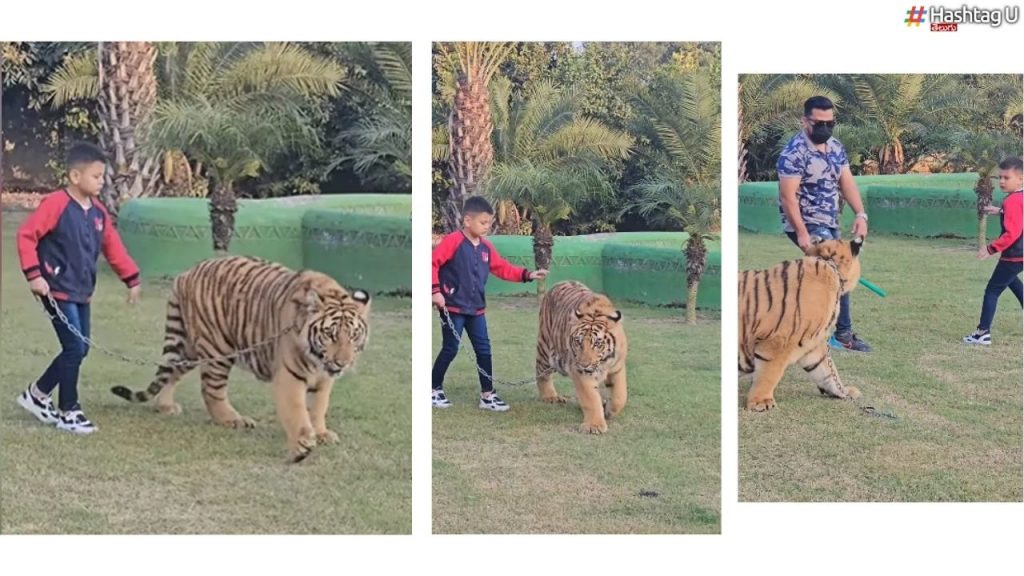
<point x="786" y="314"/>
<point x="221" y="306"/>
<point x="581" y="336"/>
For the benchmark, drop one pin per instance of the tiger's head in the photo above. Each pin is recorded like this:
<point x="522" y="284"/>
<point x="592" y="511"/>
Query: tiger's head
<point x="334" y="323"/>
<point x="844" y="254"/>
<point x="594" y="337"/>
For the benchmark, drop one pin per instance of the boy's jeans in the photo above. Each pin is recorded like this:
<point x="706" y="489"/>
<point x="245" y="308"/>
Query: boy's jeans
<point x="1004" y="275"/>
<point x="844" y="323"/>
<point x="476" y="328"/>
<point x="63" y="371"/>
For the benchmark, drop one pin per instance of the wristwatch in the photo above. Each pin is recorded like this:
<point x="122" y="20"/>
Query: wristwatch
<point x="863" y="215"/>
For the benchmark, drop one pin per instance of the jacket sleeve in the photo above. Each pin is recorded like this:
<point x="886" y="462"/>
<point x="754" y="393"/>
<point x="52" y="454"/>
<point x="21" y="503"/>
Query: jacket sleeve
<point x="443" y="253"/>
<point x="1013" y="221"/>
<point x="115" y="253"/>
<point x="40" y="223"/>
<point x="504" y="269"/>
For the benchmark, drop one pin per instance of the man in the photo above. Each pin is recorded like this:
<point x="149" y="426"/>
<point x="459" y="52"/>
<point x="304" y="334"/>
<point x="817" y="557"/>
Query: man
<point x="813" y="172"/>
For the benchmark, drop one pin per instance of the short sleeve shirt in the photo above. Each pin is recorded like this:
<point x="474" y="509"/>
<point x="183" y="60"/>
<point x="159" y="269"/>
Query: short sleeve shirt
<point x="819" y="172"/>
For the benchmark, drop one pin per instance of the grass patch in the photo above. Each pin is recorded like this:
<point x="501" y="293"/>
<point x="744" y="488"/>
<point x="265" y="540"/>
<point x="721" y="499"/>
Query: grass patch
<point x="657" y="469"/>
<point x="958" y="436"/>
<point x="144" y="473"/>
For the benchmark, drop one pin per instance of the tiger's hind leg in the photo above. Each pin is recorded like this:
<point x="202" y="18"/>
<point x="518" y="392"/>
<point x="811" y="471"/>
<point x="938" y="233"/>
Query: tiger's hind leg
<point x="818" y="363"/>
<point x="617" y="401"/>
<point x="767" y="374"/>
<point x="215" y="393"/>
<point x="545" y="381"/>
<point x="290" y="400"/>
<point x="175" y="363"/>
<point x="167" y="379"/>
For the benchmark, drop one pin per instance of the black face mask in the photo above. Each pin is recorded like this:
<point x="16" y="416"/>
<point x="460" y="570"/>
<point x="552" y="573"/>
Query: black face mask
<point x="820" y="133"/>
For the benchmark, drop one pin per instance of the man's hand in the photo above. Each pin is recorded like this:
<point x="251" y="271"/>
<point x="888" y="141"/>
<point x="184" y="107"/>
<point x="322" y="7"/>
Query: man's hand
<point x="860" y="228"/>
<point x="992" y="209"/>
<point x="983" y="253"/>
<point x="538" y="274"/>
<point x="133" y="294"/>
<point x="803" y="240"/>
<point x="438" y="300"/>
<point x="38" y="286"/>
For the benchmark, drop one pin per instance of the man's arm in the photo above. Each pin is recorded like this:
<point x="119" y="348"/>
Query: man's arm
<point x="848" y="187"/>
<point x="788" y="187"/>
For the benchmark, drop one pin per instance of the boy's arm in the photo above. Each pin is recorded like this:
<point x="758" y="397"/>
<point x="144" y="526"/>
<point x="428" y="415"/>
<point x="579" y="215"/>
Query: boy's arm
<point x="40" y="223"/>
<point x="115" y="253"/>
<point x="441" y="255"/>
<point x="506" y="270"/>
<point x="1013" y="221"/>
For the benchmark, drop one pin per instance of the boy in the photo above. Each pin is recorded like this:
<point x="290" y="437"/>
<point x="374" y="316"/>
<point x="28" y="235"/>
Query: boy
<point x="461" y="263"/>
<point x="1009" y="243"/>
<point x="58" y="246"/>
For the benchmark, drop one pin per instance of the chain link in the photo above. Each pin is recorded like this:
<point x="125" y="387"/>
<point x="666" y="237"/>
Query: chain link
<point x="59" y="315"/>
<point x="447" y="319"/>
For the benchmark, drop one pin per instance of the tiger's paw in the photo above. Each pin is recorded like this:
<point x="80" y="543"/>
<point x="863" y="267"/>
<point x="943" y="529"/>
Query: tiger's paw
<point x="852" y="392"/>
<point x="172" y="409"/>
<point x="301" y="449"/>
<point x="239" y="423"/>
<point x="593" y="428"/>
<point x="556" y="399"/>
<point x="761" y="405"/>
<point x="327" y="437"/>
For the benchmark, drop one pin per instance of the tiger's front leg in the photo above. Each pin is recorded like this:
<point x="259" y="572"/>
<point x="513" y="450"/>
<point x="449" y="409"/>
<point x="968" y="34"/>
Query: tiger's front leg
<point x="290" y="400"/>
<point x="545" y="382"/>
<point x="318" y="411"/>
<point x="589" y="398"/>
<point x="617" y="383"/>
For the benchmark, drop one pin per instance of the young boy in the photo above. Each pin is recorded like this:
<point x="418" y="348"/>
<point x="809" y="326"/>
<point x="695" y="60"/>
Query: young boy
<point x="58" y="246"/>
<point x="461" y="264"/>
<point x="1010" y="244"/>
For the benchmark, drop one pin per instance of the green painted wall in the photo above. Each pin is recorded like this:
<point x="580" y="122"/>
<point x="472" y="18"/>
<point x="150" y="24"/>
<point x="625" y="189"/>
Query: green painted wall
<point x="368" y="251"/>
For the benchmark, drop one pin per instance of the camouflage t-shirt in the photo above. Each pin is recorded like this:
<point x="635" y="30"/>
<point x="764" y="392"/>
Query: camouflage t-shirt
<point x="819" y="172"/>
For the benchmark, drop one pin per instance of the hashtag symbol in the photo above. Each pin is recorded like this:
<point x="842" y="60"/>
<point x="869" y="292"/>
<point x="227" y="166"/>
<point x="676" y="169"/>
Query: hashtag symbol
<point x="914" y="16"/>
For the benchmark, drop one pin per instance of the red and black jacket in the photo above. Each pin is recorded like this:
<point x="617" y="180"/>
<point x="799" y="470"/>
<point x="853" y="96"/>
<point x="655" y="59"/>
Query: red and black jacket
<point x="61" y="242"/>
<point x="460" y="272"/>
<point x="1011" y="218"/>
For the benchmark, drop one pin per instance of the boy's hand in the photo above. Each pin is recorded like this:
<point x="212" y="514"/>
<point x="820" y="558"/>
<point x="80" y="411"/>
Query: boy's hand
<point x="983" y="253"/>
<point x="992" y="209"/>
<point x="538" y="274"/>
<point x="133" y="294"/>
<point x="39" y="286"/>
<point x="438" y="300"/>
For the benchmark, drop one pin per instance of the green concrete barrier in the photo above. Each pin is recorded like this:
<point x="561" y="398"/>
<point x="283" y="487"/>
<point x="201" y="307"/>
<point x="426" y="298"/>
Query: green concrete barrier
<point x="368" y="251"/>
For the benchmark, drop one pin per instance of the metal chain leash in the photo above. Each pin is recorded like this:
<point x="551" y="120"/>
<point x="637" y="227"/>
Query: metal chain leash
<point x="59" y="315"/>
<point x="447" y="319"/>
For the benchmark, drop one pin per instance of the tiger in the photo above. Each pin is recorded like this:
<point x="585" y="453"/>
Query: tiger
<point x="581" y="336"/>
<point x="786" y="314"/>
<point x="312" y="328"/>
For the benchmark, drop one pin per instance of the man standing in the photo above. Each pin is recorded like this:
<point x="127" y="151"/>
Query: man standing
<point x="813" y="171"/>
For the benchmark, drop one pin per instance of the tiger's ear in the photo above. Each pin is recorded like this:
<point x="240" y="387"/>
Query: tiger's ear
<point x="361" y="296"/>
<point x="577" y="313"/>
<point x="856" y="245"/>
<point x="616" y="317"/>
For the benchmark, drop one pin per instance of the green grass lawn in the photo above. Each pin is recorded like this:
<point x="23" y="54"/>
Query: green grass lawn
<point x="958" y="433"/>
<point x="657" y="469"/>
<point x="148" y="473"/>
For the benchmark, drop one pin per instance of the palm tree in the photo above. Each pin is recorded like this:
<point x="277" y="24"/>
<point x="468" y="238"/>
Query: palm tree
<point x="473" y="65"/>
<point x="549" y="157"/>
<point x="380" y="142"/>
<point x="121" y="76"/>
<point x="680" y="116"/>
<point x="234" y="108"/>
<point x="772" y="103"/>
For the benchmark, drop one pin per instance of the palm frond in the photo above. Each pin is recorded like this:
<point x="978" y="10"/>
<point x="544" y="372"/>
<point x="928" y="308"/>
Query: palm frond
<point x="76" y="79"/>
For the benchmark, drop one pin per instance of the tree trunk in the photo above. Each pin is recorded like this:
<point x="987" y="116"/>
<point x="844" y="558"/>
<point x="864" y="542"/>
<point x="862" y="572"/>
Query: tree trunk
<point x="223" y="206"/>
<point x="469" y="136"/>
<point x="739" y="137"/>
<point x="892" y="160"/>
<point x="127" y="96"/>
<point x="983" y="189"/>
<point x="696" y="261"/>
<point x="543" y="245"/>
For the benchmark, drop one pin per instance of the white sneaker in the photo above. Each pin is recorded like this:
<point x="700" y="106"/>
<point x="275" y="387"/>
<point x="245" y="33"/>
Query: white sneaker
<point x="43" y="410"/>
<point x="979" y="337"/>
<point x="493" y="403"/>
<point x="76" y="423"/>
<point x="439" y="400"/>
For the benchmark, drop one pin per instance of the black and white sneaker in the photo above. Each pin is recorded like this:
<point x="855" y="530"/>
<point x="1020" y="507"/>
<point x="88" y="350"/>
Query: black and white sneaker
<point x="439" y="400"/>
<point x="43" y="410"/>
<point x="493" y="403"/>
<point x="979" y="337"/>
<point x="75" y="422"/>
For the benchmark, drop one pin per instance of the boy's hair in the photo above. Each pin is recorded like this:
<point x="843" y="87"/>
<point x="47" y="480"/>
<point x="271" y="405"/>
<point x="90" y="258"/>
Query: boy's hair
<point x="816" y="103"/>
<point x="82" y="153"/>
<point x="476" y="205"/>
<point x="1012" y="163"/>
